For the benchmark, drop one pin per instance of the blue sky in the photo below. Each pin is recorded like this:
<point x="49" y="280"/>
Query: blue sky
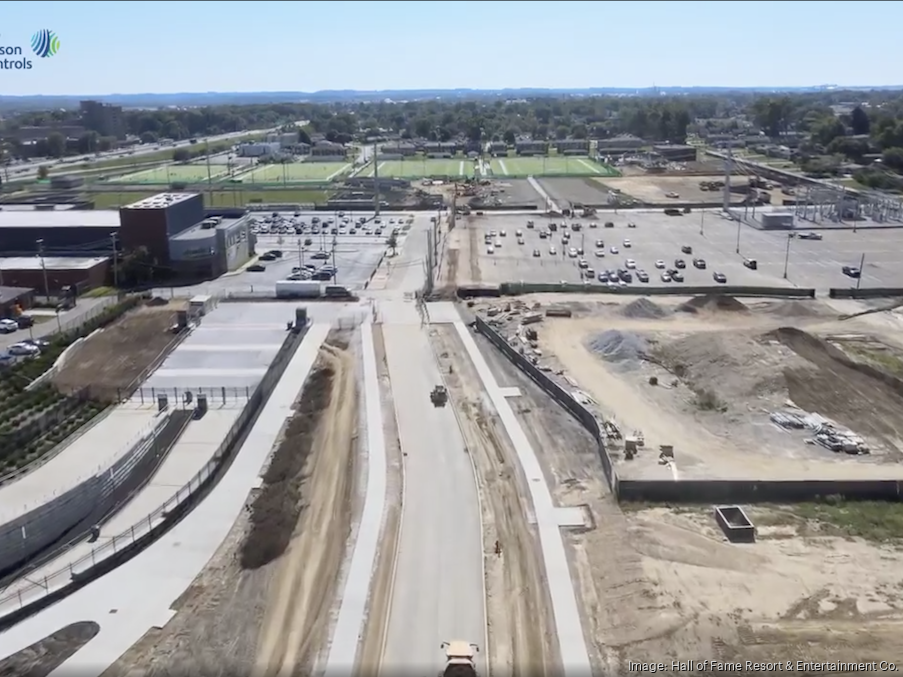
<point x="135" y="47"/>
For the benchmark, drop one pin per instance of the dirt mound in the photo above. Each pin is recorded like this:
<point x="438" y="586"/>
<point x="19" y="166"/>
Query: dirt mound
<point x="797" y="308"/>
<point x="859" y="396"/>
<point x="713" y="303"/>
<point x="620" y="347"/>
<point x="46" y="655"/>
<point x="276" y="508"/>
<point x="735" y="366"/>
<point x="643" y="309"/>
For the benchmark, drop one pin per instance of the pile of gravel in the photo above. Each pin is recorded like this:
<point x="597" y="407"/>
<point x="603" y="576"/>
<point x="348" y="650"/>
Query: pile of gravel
<point x="623" y="348"/>
<point x="713" y="303"/>
<point x="643" y="309"/>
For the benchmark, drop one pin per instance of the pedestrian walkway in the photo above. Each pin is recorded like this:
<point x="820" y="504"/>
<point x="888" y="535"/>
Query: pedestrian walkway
<point x="111" y="437"/>
<point x="189" y="455"/>
<point x="138" y="595"/>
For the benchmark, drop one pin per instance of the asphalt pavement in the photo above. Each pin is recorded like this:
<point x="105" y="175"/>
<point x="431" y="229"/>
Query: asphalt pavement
<point x="48" y="324"/>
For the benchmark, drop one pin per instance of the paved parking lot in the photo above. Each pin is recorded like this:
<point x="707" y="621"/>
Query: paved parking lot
<point x="657" y="236"/>
<point x="356" y="256"/>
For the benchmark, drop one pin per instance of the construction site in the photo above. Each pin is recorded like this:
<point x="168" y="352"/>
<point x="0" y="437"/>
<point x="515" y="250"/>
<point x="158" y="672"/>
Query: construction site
<point x="718" y="388"/>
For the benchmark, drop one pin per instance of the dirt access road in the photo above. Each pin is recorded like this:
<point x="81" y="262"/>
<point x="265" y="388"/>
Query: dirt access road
<point x="233" y="618"/>
<point x="521" y="628"/>
<point x="110" y="360"/>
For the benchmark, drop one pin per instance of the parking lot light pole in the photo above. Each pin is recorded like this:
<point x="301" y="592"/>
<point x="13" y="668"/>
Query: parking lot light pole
<point x="787" y="254"/>
<point x="702" y="222"/>
<point x="739" y="223"/>
<point x="861" y="265"/>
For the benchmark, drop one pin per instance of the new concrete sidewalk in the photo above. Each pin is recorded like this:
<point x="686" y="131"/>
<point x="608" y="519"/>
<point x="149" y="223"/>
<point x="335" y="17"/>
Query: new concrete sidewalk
<point x="137" y="596"/>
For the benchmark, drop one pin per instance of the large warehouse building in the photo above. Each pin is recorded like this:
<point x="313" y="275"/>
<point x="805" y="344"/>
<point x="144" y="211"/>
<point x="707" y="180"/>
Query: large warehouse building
<point x="175" y="228"/>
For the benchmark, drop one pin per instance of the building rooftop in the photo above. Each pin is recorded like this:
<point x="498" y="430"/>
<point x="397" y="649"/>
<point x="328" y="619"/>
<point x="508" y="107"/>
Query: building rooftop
<point x="50" y="262"/>
<point x="8" y="294"/>
<point x="160" y="201"/>
<point x="59" y="218"/>
<point x="198" y="233"/>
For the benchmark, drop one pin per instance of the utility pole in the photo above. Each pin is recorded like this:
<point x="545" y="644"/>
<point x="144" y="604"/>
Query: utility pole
<point x="787" y="254"/>
<point x="702" y="222"/>
<point x="209" y="173"/>
<point x="727" y="183"/>
<point x="300" y="253"/>
<point x="375" y="181"/>
<point x="115" y="262"/>
<point x="739" y="223"/>
<point x="861" y="265"/>
<point x="335" y="268"/>
<point x="40" y="243"/>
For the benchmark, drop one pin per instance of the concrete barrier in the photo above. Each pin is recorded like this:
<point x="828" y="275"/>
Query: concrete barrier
<point x="478" y="291"/>
<point x="869" y="293"/>
<point x="518" y="288"/>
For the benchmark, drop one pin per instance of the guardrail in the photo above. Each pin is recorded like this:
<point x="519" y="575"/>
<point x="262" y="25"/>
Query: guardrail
<point x="31" y="598"/>
<point x="868" y="293"/>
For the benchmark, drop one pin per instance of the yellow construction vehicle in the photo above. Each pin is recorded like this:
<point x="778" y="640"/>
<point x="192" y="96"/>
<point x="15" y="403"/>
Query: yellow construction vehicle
<point x="459" y="661"/>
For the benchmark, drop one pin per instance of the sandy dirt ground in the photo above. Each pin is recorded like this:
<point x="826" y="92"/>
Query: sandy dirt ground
<point x="371" y="649"/>
<point x="661" y="584"/>
<point x="653" y="189"/>
<point x="276" y="616"/>
<point x="112" y="359"/>
<point x="720" y="374"/>
<point x="521" y="629"/>
<point x="45" y="656"/>
<point x="296" y="621"/>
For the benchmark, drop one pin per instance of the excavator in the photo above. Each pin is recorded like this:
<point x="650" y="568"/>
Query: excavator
<point x="459" y="659"/>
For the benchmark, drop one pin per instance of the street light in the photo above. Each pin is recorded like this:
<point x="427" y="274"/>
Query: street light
<point x="739" y="223"/>
<point x="787" y="254"/>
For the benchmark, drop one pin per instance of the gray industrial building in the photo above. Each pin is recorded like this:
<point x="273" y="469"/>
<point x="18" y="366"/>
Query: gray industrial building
<point x="532" y="147"/>
<point x="56" y="229"/>
<point x="572" y="146"/>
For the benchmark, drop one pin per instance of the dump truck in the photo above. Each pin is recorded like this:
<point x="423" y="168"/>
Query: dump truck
<point x="459" y="659"/>
<point x="439" y="396"/>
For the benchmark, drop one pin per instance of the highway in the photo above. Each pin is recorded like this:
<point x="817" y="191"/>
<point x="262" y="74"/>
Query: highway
<point x="438" y="590"/>
<point x="26" y="170"/>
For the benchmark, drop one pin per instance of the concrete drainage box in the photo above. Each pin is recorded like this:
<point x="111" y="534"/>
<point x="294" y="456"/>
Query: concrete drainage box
<point x="735" y="524"/>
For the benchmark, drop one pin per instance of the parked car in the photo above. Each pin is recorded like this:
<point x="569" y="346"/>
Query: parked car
<point x="23" y="349"/>
<point x="25" y="321"/>
<point x="680" y="263"/>
<point x="852" y="271"/>
<point x="256" y="268"/>
<point x="699" y="263"/>
<point x="8" y="326"/>
<point x="720" y="278"/>
<point x="686" y="249"/>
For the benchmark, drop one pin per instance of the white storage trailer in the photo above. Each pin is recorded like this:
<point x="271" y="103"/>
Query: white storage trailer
<point x="299" y="289"/>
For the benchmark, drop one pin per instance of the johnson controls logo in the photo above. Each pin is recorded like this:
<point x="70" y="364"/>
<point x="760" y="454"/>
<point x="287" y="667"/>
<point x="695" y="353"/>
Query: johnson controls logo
<point x="44" y="44"/>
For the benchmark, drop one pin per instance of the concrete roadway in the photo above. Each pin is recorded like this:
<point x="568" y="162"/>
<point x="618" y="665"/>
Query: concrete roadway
<point x="438" y="593"/>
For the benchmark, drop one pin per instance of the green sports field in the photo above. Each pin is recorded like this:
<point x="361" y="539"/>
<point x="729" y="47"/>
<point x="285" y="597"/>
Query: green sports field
<point x="549" y="166"/>
<point x="174" y="173"/>
<point x="421" y="168"/>
<point x="296" y="172"/>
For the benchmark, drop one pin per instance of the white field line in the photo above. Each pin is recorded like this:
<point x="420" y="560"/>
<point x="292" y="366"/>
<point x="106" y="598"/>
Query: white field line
<point x="378" y="167"/>
<point x="337" y="172"/>
<point x="504" y="168"/>
<point x="461" y="168"/>
<point x="586" y="164"/>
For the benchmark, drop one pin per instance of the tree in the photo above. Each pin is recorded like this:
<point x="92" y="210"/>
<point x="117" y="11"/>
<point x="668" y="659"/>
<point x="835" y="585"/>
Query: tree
<point x="181" y="155"/>
<point x="392" y="243"/>
<point x="149" y="137"/>
<point x="849" y="147"/>
<point x="87" y="143"/>
<point x="56" y="145"/>
<point x="893" y="159"/>
<point x="509" y="137"/>
<point x="43" y="172"/>
<point x="828" y="130"/>
<point x="859" y="121"/>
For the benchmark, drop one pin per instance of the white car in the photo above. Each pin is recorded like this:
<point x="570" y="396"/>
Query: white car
<point x="504" y="233"/>
<point x="614" y="250"/>
<point x="600" y="253"/>
<point x="490" y="249"/>
<point x="23" y="349"/>
<point x="660" y="264"/>
<point x="572" y="253"/>
<point x="630" y="264"/>
<point x="627" y="244"/>
<point x="8" y="326"/>
<point x="553" y="251"/>
<point x="498" y="243"/>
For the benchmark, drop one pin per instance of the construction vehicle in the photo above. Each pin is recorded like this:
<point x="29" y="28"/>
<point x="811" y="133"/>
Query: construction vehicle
<point x="439" y="396"/>
<point x="459" y="661"/>
<point x="586" y="212"/>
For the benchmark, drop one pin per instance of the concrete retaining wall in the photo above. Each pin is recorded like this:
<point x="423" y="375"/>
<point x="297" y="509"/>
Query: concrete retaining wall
<point x="869" y="293"/>
<point x="516" y="288"/>
<point x="31" y="533"/>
